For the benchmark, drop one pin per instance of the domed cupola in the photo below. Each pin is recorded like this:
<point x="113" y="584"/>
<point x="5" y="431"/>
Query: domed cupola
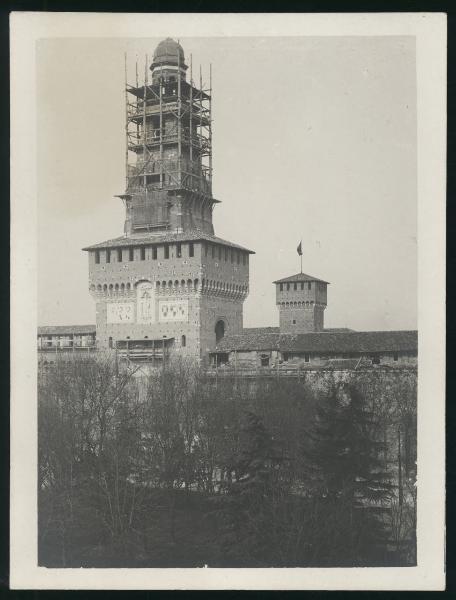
<point x="168" y="57"/>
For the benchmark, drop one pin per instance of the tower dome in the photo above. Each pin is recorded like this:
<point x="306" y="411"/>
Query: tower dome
<point x="168" y="52"/>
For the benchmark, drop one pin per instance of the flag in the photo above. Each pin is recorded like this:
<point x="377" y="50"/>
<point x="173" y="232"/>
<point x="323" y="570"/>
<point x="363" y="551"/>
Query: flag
<point x="299" y="248"/>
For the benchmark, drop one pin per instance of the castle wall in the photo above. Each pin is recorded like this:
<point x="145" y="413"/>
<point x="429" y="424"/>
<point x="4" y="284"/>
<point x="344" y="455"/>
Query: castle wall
<point x="161" y="292"/>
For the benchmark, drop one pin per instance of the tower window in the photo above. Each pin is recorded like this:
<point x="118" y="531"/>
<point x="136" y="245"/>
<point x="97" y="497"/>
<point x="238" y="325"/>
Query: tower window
<point x="244" y="258"/>
<point x="294" y="321"/>
<point x="131" y="254"/>
<point x="232" y="255"/>
<point x="205" y="249"/>
<point x="295" y="286"/>
<point x="219" y="330"/>
<point x="191" y="250"/>
<point x="302" y="285"/>
<point x="220" y="253"/>
<point x="108" y="256"/>
<point x="288" y="287"/>
<point x="97" y="257"/>
<point x="309" y="286"/>
<point x="119" y="255"/>
<point x="183" y="341"/>
<point x="281" y="287"/>
<point x="226" y="254"/>
<point x="213" y="251"/>
<point x="166" y="248"/>
<point x="154" y="252"/>
<point x="179" y="250"/>
<point x="396" y="357"/>
<point x="110" y="342"/>
<point x="238" y="256"/>
<point x="306" y="358"/>
<point x="143" y="253"/>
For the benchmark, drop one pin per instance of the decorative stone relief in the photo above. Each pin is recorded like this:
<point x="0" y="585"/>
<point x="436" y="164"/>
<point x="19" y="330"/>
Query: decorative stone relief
<point x="145" y="312"/>
<point x="171" y="311"/>
<point x="120" y="312"/>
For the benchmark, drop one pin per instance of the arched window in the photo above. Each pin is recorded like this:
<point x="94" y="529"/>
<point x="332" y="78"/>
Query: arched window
<point x="183" y="341"/>
<point x="219" y="330"/>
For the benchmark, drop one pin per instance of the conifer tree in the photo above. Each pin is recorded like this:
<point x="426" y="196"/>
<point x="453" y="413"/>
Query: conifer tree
<point x="347" y="478"/>
<point x="247" y="509"/>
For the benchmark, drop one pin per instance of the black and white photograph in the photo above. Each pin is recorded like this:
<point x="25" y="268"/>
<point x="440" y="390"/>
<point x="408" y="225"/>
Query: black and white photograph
<point x="236" y="319"/>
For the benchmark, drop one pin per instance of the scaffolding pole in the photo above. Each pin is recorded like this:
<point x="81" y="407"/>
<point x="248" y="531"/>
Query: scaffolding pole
<point x="126" y="123"/>
<point x="210" y="126"/>
<point x="191" y="122"/>
<point x="179" y="124"/>
<point x="144" y="127"/>
<point x="137" y="84"/>
<point x="161" y="125"/>
<point x="201" y="125"/>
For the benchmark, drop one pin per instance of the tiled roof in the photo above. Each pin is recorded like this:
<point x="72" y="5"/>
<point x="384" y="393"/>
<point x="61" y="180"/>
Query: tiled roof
<point x="324" y="342"/>
<point x="189" y="236"/>
<point x="260" y="330"/>
<point x="300" y="277"/>
<point x="63" y="329"/>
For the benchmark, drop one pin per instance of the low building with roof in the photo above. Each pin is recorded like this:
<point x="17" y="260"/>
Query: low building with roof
<point x="57" y="339"/>
<point x="260" y="347"/>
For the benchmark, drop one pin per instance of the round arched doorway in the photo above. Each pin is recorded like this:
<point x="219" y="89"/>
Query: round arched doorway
<point x="219" y="330"/>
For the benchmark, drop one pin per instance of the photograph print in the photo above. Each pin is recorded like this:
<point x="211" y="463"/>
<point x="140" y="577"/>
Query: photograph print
<point x="227" y="308"/>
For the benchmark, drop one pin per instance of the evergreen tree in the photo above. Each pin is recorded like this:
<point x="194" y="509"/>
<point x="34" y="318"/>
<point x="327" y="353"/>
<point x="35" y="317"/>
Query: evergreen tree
<point x="348" y="481"/>
<point x="248" y="509"/>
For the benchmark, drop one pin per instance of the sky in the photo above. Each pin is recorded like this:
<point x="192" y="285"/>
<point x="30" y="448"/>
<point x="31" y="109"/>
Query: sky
<point x="314" y="138"/>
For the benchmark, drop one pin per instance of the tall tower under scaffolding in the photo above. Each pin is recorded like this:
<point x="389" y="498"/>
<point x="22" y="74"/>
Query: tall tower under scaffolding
<point x="168" y="285"/>
<point x="169" y="147"/>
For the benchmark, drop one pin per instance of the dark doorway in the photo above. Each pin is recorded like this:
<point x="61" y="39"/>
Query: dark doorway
<point x="219" y="330"/>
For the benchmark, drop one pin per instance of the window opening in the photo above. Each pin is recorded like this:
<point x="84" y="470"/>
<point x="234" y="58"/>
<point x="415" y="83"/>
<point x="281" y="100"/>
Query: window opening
<point x="219" y="330"/>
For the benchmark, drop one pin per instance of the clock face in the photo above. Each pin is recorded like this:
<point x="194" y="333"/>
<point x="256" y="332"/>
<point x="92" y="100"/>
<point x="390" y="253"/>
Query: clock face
<point x="120" y="312"/>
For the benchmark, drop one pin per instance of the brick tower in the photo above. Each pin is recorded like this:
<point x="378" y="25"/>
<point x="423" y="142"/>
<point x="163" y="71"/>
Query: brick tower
<point x="302" y="301"/>
<point x="168" y="284"/>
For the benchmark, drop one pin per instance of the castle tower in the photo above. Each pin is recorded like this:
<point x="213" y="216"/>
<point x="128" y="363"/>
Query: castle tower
<point x="302" y="301"/>
<point x="169" y="141"/>
<point x="168" y="285"/>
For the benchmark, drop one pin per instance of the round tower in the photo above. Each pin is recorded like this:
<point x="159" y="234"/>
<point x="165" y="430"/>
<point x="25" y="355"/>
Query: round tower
<point x="302" y="300"/>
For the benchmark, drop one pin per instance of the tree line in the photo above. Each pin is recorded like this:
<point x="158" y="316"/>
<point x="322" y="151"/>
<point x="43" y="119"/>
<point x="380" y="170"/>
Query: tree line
<point x="175" y="469"/>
